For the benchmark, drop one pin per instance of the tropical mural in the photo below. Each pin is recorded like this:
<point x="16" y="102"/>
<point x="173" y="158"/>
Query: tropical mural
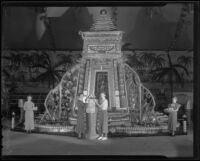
<point x="162" y="72"/>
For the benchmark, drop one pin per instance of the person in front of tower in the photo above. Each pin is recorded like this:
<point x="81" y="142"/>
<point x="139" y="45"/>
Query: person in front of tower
<point x="29" y="107"/>
<point x="172" y="110"/>
<point x="102" y="105"/>
<point x="80" y="116"/>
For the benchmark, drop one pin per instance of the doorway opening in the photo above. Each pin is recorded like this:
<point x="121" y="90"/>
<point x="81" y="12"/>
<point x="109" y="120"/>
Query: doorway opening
<point x="101" y="84"/>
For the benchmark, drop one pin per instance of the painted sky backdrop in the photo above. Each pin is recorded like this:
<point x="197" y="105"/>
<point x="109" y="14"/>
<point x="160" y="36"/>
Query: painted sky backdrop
<point x="141" y="30"/>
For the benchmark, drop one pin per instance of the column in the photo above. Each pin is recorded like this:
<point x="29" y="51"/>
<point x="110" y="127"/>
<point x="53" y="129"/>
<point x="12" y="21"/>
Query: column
<point x="87" y="72"/>
<point x="122" y="92"/>
<point x="117" y="100"/>
<point x="81" y="77"/>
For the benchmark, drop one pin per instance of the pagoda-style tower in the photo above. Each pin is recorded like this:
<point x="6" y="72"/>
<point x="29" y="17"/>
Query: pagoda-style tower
<point x="104" y="69"/>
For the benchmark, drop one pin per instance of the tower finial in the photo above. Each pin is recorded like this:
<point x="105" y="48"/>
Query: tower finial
<point x="103" y="22"/>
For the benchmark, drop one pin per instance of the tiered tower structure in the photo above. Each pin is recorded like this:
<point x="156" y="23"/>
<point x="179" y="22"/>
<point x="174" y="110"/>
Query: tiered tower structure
<point x="102" y="54"/>
<point x="102" y="69"/>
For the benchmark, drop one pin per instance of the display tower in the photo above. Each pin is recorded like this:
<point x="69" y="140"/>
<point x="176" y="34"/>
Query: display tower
<point x="102" y="68"/>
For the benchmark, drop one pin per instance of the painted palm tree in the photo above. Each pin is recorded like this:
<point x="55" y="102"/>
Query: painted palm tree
<point x="52" y="72"/>
<point x="134" y="61"/>
<point x="148" y="58"/>
<point x="15" y="60"/>
<point x="28" y="62"/>
<point x="159" y="61"/>
<point x="37" y="58"/>
<point x="171" y="71"/>
<point x="67" y="60"/>
<point x="185" y="60"/>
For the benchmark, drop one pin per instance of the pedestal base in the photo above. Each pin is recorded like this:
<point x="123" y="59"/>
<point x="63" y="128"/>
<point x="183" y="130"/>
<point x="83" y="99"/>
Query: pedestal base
<point x="91" y="123"/>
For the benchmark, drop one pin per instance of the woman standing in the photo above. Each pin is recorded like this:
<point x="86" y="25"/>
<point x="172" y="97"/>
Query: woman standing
<point x="173" y="109"/>
<point x="80" y="117"/>
<point x="103" y="116"/>
<point x="29" y="107"/>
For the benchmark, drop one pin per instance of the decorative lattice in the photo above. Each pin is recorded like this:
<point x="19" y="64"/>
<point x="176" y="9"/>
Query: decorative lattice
<point x="60" y="101"/>
<point x="140" y="100"/>
<point x="133" y="93"/>
<point x="147" y="107"/>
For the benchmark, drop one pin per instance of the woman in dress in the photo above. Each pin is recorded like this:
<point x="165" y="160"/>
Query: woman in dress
<point x="29" y="107"/>
<point x="103" y="116"/>
<point x="173" y="109"/>
<point x="80" y="116"/>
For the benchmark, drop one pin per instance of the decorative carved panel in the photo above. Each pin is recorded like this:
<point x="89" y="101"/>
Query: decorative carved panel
<point x="103" y="48"/>
<point x="87" y="75"/>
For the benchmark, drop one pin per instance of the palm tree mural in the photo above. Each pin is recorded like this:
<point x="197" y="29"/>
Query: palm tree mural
<point x="68" y="60"/>
<point x="37" y="57"/>
<point x="28" y="62"/>
<point x="185" y="60"/>
<point x="159" y="61"/>
<point x="148" y="58"/>
<point x="51" y="67"/>
<point x="14" y="59"/>
<point x="133" y="59"/>
<point x="153" y="60"/>
<point x="51" y="70"/>
<point x="172" y="71"/>
<point x="135" y="62"/>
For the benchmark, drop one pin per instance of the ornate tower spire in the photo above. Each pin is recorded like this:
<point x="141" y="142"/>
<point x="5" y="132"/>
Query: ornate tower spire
<point x="103" y="22"/>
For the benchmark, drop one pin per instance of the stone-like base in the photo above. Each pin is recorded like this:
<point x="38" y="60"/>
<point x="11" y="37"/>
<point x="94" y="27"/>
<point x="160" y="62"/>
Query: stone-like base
<point x="114" y="131"/>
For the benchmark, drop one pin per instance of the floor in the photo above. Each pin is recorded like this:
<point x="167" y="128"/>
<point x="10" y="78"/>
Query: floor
<point x="18" y="143"/>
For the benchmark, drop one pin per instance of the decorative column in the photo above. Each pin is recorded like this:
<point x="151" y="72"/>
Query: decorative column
<point x="81" y="77"/>
<point x="117" y="100"/>
<point x="86" y="82"/>
<point x="122" y="92"/>
<point x="60" y="103"/>
<point x="140" y="100"/>
<point x="91" y="82"/>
